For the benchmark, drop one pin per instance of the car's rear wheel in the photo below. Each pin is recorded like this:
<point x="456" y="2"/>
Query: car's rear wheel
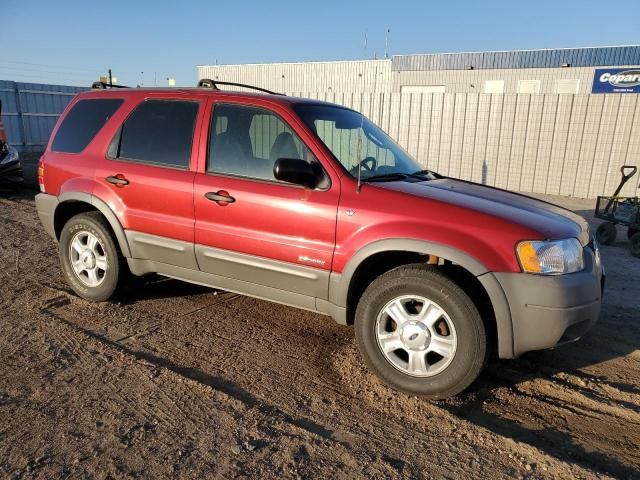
<point x="91" y="261"/>
<point x="420" y="333"/>
<point x="606" y="233"/>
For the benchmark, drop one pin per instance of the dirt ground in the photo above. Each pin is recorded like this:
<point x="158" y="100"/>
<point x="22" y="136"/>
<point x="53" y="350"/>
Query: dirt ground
<point x="182" y="381"/>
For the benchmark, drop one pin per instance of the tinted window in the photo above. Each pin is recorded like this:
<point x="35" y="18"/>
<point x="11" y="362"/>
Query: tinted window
<point x="81" y="124"/>
<point x="160" y="132"/>
<point x="247" y="141"/>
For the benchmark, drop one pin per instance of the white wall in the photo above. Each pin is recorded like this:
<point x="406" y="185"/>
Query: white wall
<point x="570" y="145"/>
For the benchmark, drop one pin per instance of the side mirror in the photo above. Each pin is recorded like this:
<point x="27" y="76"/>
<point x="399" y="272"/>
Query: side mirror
<point x="297" y="171"/>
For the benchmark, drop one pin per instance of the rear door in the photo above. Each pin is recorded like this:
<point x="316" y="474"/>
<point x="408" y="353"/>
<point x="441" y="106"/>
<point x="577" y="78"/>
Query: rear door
<point x="148" y="175"/>
<point x="268" y="232"/>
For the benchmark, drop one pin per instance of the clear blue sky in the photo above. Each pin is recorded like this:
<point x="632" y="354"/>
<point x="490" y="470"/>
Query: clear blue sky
<point x="73" y="42"/>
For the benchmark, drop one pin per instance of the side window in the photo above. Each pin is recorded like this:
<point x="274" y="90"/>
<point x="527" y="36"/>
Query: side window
<point x="247" y="141"/>
<point x="83" y="122"/>
<point x="159" y="132"/>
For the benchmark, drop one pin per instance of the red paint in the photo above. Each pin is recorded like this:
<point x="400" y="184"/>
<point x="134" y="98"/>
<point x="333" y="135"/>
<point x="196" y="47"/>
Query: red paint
<point x="290" y="223"/>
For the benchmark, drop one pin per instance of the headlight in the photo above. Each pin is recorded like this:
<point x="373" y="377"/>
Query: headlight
<point x="551" y="257"/>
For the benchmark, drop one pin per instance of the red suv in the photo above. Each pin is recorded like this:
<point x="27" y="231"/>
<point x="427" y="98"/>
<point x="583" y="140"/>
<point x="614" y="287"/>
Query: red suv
<point x="310" y="204"/>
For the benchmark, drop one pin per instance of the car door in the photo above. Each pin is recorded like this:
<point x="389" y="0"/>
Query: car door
<point x="148" y="177"/>
<point x="250" y="226"/>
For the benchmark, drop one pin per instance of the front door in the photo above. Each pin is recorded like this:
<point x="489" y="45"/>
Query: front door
<point x="251" y="227"/>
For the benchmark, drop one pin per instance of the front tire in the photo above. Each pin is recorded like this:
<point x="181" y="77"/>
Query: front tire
<point x="420" y="333"/>
<point x="91" y="261"/>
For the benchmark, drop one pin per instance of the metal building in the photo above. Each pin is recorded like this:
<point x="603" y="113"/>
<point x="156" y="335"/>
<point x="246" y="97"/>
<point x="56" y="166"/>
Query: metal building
<point x="562" y="71"/>
<point x="559" y="121"/>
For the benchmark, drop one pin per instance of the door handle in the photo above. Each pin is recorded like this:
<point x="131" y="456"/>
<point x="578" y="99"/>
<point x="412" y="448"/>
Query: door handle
<point x="117" y="180"/>
<point x="221" y="197"/>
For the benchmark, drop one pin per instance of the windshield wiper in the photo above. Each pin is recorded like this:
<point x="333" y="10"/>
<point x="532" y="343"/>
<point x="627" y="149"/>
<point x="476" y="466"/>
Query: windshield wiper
<point x="386" y="177"/>
<point x="422" y="173"/>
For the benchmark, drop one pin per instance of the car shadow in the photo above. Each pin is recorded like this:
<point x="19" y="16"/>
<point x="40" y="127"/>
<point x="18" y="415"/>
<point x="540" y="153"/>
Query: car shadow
<point x="156" y="287"/>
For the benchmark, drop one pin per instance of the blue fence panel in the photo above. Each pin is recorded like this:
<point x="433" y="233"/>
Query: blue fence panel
<point x="30" y="111"/>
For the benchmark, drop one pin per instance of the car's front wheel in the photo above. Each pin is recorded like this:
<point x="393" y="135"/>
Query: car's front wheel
<point x="91" y="261"/>
<point x="420" y="333"/>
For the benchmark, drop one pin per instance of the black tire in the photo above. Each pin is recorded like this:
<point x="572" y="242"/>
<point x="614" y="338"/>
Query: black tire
<point x="471" y="352"/>
<point x="634" y="245"/>
<point x="631" y="232"/>
<point x="117" y="272"/>
<point x="606" y="233"/>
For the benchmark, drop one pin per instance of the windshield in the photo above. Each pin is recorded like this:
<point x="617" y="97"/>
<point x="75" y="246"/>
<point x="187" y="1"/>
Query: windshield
<point x="358" y="143"/>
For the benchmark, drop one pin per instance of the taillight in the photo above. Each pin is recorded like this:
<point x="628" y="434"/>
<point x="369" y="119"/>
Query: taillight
<point x="41" y="174"/>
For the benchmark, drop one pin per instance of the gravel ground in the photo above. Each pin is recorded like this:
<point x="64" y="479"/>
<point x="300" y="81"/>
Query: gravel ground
<point x="187" y="382"/>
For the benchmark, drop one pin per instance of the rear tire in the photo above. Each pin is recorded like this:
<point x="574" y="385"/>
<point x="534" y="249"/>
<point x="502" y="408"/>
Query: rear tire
<point x="606" y="233"/>
<point x="408" y="313"/>
<point x="90" y="257"/>
<point x="634" y="245"/>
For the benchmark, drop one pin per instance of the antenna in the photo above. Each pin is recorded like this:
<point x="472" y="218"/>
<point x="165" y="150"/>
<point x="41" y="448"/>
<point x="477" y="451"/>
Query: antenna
<point x="359" y="152"/>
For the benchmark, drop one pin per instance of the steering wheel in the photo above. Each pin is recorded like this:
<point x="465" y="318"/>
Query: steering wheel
<point x="369" y="164"/>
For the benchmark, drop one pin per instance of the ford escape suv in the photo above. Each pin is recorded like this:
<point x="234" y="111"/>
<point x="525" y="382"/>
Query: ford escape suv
<point x="310" y="204"/>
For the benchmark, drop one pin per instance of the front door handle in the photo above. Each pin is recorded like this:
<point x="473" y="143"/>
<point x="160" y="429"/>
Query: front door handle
<point x="221" y="197"/>
<point x="118" y="180"/>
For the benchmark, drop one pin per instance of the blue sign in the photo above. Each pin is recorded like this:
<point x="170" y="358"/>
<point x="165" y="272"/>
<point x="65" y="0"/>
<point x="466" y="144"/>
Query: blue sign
<point x="616" y="80"/>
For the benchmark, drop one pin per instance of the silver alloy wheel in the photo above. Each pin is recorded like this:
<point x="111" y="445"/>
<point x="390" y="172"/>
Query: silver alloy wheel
<point x="88" y="258"/>
<point x="416" y="336"/>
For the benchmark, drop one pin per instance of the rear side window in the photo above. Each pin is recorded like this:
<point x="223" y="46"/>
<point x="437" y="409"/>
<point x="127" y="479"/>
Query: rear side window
<point x="158" y="132"/>
<point x="83" y="122"/>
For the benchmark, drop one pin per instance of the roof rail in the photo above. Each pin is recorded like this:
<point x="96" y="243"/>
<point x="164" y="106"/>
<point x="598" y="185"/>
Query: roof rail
<point x="213" y="84"/>
<point x="106" y="85"/>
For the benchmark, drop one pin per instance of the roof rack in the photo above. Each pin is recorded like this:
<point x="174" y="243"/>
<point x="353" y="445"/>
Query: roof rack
<point x="106" y="85"/>
<point x="213" y="84"/>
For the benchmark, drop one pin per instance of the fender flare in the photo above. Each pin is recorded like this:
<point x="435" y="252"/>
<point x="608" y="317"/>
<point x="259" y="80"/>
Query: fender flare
<point x="340" y="282"/>
<point x="103" y="208"/>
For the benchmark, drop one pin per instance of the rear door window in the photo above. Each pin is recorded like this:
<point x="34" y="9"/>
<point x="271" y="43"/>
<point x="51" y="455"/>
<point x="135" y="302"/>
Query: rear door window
<point x="158" y="132"/>
<point x="83" y="122"/>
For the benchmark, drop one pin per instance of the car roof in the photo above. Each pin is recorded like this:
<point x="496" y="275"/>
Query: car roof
<point x="202" y="92"/>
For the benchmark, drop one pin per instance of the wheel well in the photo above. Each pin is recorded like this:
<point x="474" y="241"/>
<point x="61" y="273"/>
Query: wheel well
<point x="67" y="210"/>
<point x="382" y="262"/>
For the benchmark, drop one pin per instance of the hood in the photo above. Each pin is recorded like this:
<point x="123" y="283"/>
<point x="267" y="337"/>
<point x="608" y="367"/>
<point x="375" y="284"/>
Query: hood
<point x="551" y="221"/>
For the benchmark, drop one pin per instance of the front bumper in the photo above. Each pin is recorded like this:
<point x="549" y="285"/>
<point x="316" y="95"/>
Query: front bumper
<point x="550" y="310"/>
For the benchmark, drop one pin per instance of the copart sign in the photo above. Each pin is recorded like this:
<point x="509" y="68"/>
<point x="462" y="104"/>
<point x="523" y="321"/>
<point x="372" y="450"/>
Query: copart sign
<point x="616" y="80"/>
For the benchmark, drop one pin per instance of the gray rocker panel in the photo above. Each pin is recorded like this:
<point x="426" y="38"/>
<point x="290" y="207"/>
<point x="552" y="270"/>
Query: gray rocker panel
<point x="286" y="276"/>
<point x="140" y="267"/>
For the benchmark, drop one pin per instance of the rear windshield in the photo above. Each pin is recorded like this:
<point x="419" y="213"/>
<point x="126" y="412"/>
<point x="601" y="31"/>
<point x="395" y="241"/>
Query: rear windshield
<point x="81" y="124"/>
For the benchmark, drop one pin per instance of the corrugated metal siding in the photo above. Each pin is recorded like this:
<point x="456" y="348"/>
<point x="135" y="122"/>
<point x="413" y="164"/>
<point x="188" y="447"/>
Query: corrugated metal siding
<point x="576" y="57"/>
<point x="472" y="81"/>
<point x="30" y="111"/>
<point x="376" y="76"/>
<point x="356" y="76"/>
<point x="556" y="144"/>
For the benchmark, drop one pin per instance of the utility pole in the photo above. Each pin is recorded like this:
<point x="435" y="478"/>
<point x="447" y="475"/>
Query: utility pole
<point x="110" y="79"/>
<point x="365" y="43"/>
<point x="386" y="43"/>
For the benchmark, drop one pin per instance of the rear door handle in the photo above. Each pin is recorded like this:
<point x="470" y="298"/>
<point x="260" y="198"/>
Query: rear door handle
<point x="118" y="180"/>
<point x="221" y="197"/>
